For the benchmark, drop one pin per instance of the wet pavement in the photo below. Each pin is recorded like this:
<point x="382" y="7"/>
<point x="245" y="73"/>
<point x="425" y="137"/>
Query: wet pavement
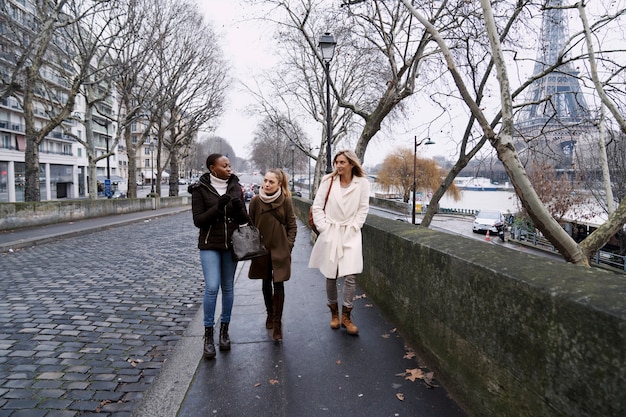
<point x="106" y="320"/>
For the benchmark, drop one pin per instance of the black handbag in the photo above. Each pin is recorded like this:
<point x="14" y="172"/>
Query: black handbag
<point x="247" y="243"/>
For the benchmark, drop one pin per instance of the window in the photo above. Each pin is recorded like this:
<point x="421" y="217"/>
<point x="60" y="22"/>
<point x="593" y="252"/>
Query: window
<point x="6" y="141"/>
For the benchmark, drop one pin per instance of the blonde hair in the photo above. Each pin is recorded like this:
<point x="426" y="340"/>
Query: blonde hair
<point x="283" y="179"/>
<point x="357" y="169"/>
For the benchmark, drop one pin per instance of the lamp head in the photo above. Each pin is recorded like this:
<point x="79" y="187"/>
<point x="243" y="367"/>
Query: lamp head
<point x="327" y="45"/>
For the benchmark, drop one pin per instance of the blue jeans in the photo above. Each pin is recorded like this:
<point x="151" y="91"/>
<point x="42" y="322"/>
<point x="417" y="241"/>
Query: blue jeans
<point x="218" y="268"/>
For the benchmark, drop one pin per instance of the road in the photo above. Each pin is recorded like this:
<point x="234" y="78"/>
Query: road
<point x="460" y="225"/>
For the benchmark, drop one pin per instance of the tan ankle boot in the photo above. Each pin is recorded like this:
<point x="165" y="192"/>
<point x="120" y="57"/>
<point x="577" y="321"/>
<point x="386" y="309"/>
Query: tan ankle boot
<point x="347" y="322"/>
<point x="334" y="316"/>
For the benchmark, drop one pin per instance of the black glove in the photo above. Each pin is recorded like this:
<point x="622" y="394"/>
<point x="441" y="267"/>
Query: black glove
<point x="237" y="204"/>
<point x="223" y="200"/>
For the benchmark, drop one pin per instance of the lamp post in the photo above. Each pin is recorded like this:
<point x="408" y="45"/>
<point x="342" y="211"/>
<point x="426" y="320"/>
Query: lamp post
<point x="327" y="46"/>
<point x="152" y="166"/>
<point x="308" y="159"/>
<point x="107" y="182"/>
<point x="293" y="174"/>
<point x="426" y="141"/>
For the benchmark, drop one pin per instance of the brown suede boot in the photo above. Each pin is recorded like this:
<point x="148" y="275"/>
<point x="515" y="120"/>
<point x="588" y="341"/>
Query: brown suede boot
<point x="209" y="347"/>
<point x="347" y="322"/>
<point x="334" y="316"/>
<point x="278" y="301"/>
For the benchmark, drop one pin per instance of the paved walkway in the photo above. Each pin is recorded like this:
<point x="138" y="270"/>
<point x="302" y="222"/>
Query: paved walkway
<point x="107" y="321"/>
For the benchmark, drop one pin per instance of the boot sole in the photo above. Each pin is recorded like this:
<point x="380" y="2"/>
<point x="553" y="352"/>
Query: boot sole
<point x="352" y="333"/>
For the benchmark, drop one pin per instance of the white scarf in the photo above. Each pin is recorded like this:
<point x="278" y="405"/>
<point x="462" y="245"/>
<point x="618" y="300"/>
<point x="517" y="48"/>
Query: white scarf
<point x="219" y="184"/>
<point x="269" y="198"/>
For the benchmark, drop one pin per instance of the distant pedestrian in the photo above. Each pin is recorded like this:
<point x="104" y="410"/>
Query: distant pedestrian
<point x="217" y="208"/>
<point x="272" y="212"/>
<point x="338" y="249"/>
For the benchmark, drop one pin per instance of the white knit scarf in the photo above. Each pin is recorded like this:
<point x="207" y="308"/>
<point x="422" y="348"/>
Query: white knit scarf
<point x="269" y="198"/>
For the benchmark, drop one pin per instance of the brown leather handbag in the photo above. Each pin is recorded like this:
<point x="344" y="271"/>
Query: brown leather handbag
<point x="311" y="223"/>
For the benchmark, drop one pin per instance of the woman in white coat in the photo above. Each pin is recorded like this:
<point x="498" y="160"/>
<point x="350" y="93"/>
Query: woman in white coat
<point x="338" y="249"/>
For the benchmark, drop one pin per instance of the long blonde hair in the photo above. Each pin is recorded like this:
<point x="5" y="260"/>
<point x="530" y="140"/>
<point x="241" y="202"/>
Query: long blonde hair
<point x="357" y="169"/>
<point x="283" y="179"/>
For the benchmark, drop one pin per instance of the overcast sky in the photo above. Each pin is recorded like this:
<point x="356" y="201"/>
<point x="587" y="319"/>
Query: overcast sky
<point x="247" y="44"/>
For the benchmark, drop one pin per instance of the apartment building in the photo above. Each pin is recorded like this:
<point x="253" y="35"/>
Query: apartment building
<point x="63" y="160"/>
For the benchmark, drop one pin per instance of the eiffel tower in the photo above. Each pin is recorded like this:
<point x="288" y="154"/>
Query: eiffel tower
<point x="558" y="122"/>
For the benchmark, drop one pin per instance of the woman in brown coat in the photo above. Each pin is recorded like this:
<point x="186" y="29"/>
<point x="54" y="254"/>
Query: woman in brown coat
<point x="272" y="212"/>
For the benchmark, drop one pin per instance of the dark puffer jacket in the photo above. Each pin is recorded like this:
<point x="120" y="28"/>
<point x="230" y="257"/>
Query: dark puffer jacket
<point x="216" y="226"/>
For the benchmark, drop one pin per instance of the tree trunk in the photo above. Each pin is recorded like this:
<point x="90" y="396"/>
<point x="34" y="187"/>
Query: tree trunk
<point x="174" y="174"/>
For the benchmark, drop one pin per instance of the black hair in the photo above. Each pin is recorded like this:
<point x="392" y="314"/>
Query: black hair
<point x="211" y="159"/>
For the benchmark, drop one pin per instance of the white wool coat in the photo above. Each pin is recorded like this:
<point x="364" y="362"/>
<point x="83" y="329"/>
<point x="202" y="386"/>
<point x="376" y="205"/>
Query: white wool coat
<point x="338" y="250"/>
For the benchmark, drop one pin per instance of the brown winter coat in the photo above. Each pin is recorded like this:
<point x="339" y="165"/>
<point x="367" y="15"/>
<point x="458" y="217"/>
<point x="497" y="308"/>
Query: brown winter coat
<point x="278" y="237"/>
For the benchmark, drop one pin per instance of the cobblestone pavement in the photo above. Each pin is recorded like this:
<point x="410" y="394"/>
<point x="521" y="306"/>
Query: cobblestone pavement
<point x="87" y="322"/>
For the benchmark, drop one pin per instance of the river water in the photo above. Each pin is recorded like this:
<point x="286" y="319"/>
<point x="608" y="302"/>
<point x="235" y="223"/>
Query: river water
<point x="478" y="200"/>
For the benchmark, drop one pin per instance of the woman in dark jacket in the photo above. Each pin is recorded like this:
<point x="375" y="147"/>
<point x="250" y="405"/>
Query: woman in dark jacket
<point x="217" y="207"/>
<point x="272" y="212"/>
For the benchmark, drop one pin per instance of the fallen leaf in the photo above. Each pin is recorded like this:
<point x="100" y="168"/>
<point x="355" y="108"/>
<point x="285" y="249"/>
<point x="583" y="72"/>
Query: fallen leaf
<point x="273" y="381"/>
<point x="369" y="305"/>
<point x="358" y="297"/>
<point x="386" y="336"/>
<point x="102" y="404"/>
<point x="393" y="330"/>
<point x="134" y="362"/>
<point x="413" y="374"/>
<point x="400" y="396"/>
<point x="258" y="384"/>
<point x="428" y="380"/>
<point x="338" y="362"/>
<point x="409" y="355"/>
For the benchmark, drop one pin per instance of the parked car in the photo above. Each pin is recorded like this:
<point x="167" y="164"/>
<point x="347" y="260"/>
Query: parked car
<point x="248" y="194"/>
<point x="490" y="220"/>
<point x="182" y="181"/>
<point x="118" y="194"/>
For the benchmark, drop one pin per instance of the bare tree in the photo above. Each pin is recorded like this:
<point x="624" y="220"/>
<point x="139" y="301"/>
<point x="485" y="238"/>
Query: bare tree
<point x="378" y="33"/>
<point x="273" y="139"/>
<point x="49" y="72"/>
<point x="190" y="79"/>
<point x="99" y="39"/>
<point x="503" y="142"/>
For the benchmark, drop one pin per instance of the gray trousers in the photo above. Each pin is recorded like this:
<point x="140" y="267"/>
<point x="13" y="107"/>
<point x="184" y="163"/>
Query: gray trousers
<point x="349" y="288"/>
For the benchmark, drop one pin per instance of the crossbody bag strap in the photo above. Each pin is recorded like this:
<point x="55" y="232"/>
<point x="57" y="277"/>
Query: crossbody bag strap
<point x="332" y="179"/>
<point x="273" y="212"/>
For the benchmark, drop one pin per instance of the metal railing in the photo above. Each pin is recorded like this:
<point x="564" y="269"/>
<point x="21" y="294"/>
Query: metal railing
<point x="601" y="257"/>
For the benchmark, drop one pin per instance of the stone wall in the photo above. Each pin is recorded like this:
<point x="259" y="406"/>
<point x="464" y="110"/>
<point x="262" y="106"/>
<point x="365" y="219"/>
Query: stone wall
<point x="28" y="214"/>
<point x="508" y="333"/>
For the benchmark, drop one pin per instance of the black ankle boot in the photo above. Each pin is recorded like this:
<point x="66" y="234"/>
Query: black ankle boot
<point x="224" y="339"/>
<point x="209" y="347"/>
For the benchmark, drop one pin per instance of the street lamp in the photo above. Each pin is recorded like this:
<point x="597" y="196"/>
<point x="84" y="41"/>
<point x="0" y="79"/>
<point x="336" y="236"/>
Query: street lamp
<point x="327" y="45"/>
<point x="308" y="159"/>
<point x="152" y="166"/>
<point x="425" y="141"/>
<point x="293" y="174"/>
